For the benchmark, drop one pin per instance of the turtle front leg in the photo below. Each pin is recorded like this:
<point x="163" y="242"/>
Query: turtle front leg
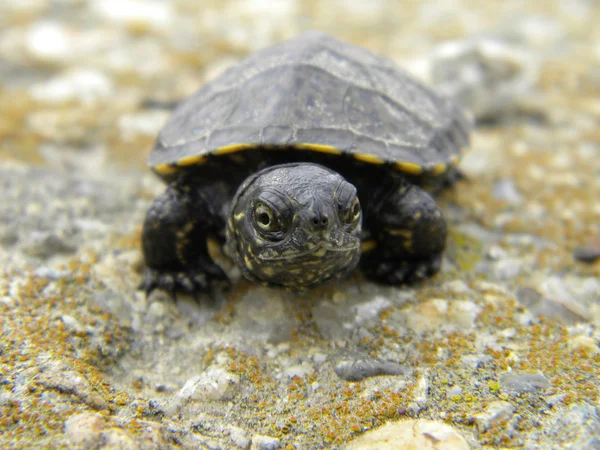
<point x="174" y="239"/>
<point x="407" y="236"/>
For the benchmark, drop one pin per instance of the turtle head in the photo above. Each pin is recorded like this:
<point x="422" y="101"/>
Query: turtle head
<point x="295" y="225"/>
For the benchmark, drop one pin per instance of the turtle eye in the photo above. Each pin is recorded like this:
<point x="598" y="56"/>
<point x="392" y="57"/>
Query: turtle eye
<point x="351" y="215"/>
<point x="266" y="219"/>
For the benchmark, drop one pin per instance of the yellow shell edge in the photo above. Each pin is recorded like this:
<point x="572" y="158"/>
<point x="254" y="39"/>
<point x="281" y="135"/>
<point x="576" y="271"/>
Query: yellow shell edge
<point x="368" y="158"/>
<point x="319" y="148"/>
<point x="439" y="168"/>
<point x="233" y="148"/>
<point x="165" y="169"/>
<point x="410" y="168"/>
<point x="191" y="161"/>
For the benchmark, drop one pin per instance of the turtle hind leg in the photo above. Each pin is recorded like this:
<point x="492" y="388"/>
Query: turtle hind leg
<point x="174" y="240"/>
<point x="407" y="236"/>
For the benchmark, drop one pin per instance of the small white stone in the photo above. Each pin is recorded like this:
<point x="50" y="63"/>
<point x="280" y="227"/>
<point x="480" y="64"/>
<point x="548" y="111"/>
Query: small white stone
<point x="454" y="391"/>
<point x="7" y="301"/>
<point x="584" y="343"/>
<point x="299" y="370"/>
<point x="240" y="437"/>
<point x="48" y="41"/>
<point x="494" y="413"/>
<point x="370" y="310"/>
<point x="71" y="323"/>
<point x="488" y="76"/>
<point x="82" y="85"/>
<point x="118" y="438"/>
<point x="84" y="429"/>
<point x="152" y="14"/>
<point x="319" y="358"/>
<point x="411" y="434"/>
<point x="214" y="384"/>
<point x="496" y="252"/>
<point x="438" y="314"/>
<point x="157" y="309"/>
<point x="260" y="442"/>
<point x="456" y="286"/>
<point x="147" y="123"/>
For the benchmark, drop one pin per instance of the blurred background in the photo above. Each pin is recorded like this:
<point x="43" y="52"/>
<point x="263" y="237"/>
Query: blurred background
<point x="78" y="78"/>
<point x="84" y="90"/>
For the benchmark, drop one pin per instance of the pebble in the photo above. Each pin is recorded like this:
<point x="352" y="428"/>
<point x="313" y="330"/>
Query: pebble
<point x="355" y="366"/>
<point x="495" y="253"/>
<point x="63" y="378"/>
<point x="118" y="439"/>
<point x="339" y="320"/>
<point x="72" y="324"/>
<point x="49" y="41"/>
<point x="320" y="358"/>
<point x="88" y="161"/>
<point x="520" y="383"/>
<point x="264" y="315"/>
<point x="507" y="190"/>
<point x="7" y="301"/>
<point x="85" y="86"/>
<point x="44" y="244"/>
<point x="454" y="391"/>
<point x="145" y="123"/>
<point x="260" y="442"/>
<point x="587" y="254"/>
<point x="435" y="314"/>
<point x="494" y="413"/>
<point x="487" y="75"/>
<point x="576" y="428"/>
<point x="136" y="13"/>
<point x="411" y="434"/>
<point x="299" y="370"/>
<point x="420" y="394"/>
<point x="214" y="384"/>
<point x="50" y="273"/>
<point x="541" y="305"/>
<point x="239" y="437"/>
<point x="457" y="287"/>
<point x="534" y="30"/>
<point x="585" y="343"/>
<point x="474" y="361"/>
<point x="507" y="268"/>
<point x="555" y="400"/>
<point x="84" y="430"/>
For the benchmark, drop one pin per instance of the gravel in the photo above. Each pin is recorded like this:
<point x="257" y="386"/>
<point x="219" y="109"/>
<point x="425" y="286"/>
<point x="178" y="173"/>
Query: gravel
<point x="498" y="350"/>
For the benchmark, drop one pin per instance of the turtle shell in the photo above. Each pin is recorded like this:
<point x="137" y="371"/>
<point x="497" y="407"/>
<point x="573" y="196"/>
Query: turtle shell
<point x="316" y="93"/>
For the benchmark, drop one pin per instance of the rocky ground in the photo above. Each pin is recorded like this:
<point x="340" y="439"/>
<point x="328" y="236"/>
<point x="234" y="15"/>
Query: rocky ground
<point x="498" y="350"/>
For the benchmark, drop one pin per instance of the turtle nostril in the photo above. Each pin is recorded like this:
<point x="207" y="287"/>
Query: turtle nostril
<point x="319" y="221"/>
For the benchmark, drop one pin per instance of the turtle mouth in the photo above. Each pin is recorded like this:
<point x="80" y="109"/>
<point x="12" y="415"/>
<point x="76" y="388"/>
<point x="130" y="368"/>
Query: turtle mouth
<point x="319" y="250"/>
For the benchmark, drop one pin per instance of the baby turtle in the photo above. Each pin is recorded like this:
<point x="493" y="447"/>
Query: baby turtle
<point x="291" y="159"/>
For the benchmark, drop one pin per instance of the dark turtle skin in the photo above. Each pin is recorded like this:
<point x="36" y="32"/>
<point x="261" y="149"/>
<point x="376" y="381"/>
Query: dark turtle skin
<point x="303" y="161"/>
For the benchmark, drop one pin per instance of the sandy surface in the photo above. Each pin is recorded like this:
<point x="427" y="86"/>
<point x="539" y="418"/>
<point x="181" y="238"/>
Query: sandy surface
<point x="498" y="350"/>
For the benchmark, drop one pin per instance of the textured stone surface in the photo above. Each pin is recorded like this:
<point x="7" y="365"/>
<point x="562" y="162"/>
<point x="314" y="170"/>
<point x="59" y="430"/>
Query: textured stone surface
<point x="85" y="357"/>
<point x="410" y="434"/>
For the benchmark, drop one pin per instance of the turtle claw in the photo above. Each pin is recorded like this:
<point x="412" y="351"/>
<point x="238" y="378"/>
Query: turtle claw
<point x="396" y="272"/>
<point x="189" y="282"/>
